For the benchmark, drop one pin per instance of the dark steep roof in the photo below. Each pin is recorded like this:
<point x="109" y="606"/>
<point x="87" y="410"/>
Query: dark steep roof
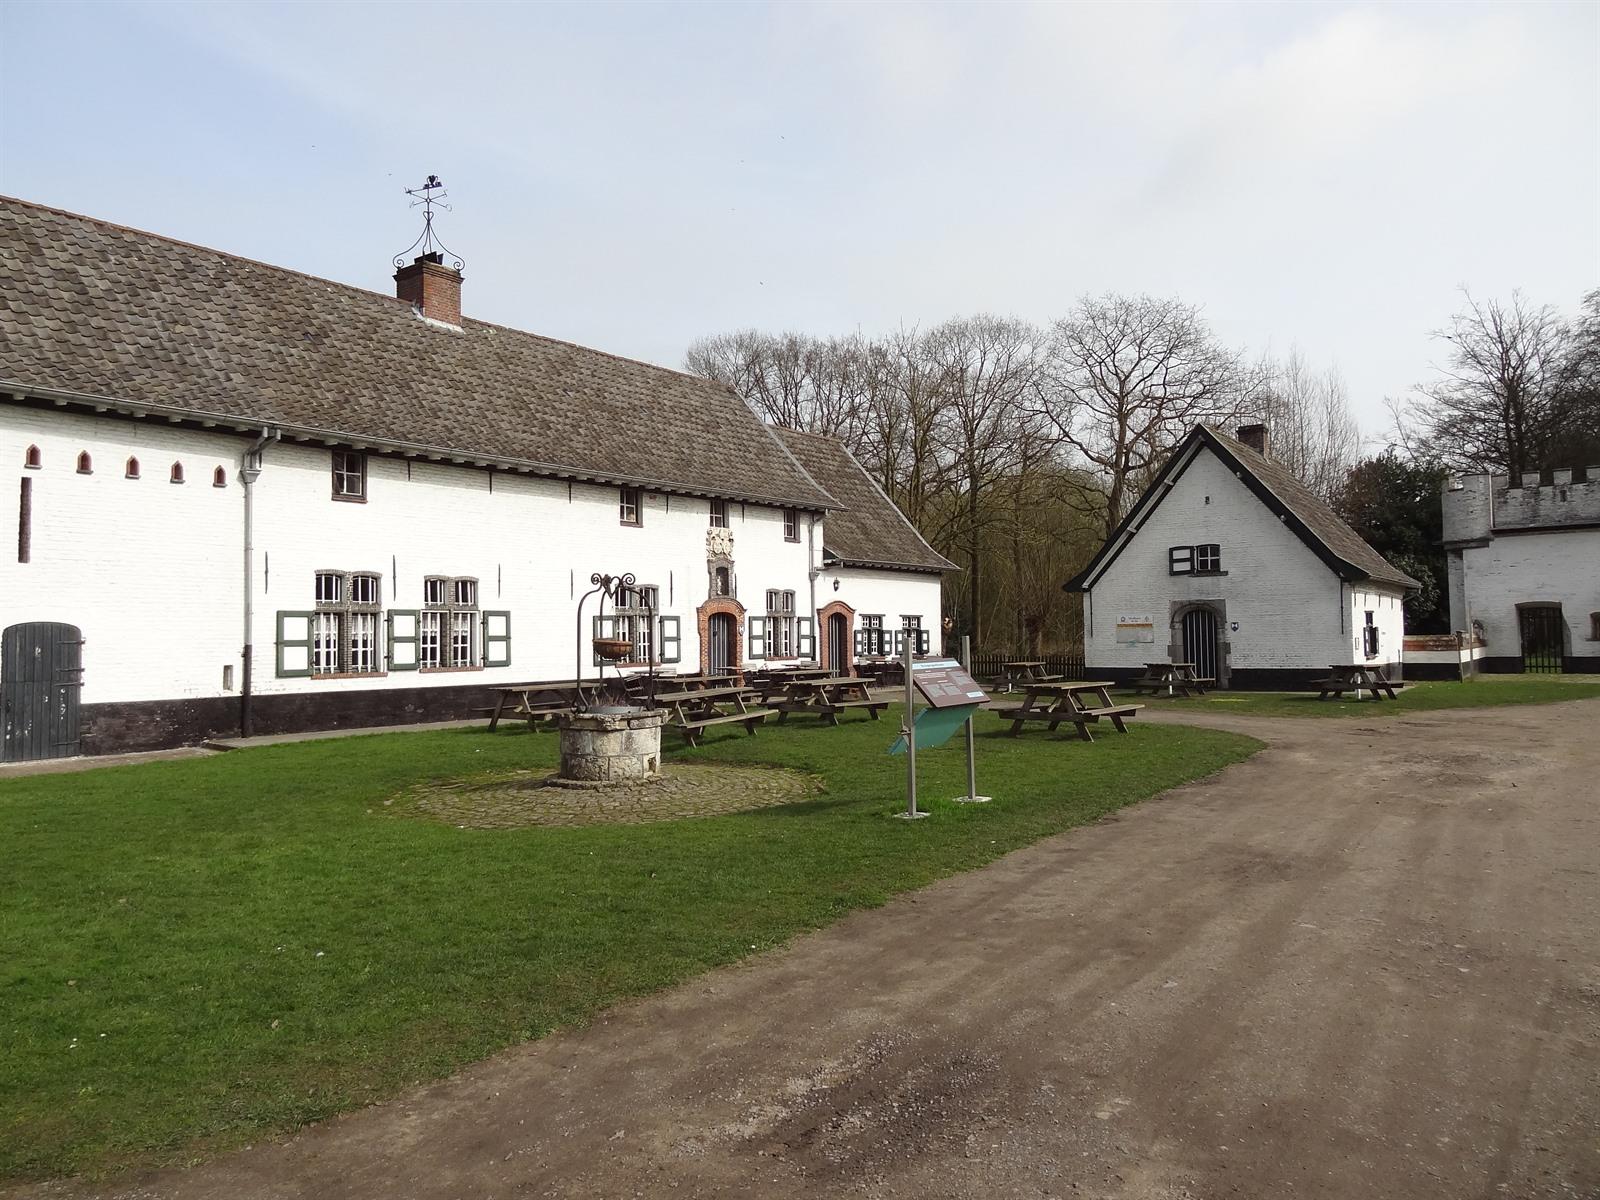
<point x="92" y="309"/>
<point x="1303" y="511"/>
<point x="871" y="532"/>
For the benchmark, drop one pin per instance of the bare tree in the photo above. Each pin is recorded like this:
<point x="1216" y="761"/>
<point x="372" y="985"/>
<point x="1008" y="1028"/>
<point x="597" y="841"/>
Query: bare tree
<point x="1314" y="433"/>
<point x="1128" y="377"/>
<point x="986" y="368"/>
<point x="1494" y="409"/>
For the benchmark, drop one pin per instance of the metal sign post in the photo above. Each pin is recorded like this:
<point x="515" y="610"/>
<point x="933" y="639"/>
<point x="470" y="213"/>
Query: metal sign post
<point x="972" y="796"/>
<point x="908" y="731"/>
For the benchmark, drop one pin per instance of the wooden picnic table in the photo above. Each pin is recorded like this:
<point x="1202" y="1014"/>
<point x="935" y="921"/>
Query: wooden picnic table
<point x="692" y="710"/>
<point x="825" y="697"/>
<point x="1174" y="678"/>
<point x="1059" y="704"/>
<point x="540" y="700"/>
<point x="1356" y="677"/>
<point x="1026" y="670"/>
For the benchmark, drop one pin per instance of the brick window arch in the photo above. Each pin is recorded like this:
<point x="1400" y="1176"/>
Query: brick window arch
<point x="131" y="471"/>
<point x="825" y="656"/>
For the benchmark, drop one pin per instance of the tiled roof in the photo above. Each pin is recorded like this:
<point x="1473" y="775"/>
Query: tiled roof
<point x="1313" y="512"/>
<point x="95" y="309"/>
<point x="1305" y="513"/>
<point x="871" y="532"/>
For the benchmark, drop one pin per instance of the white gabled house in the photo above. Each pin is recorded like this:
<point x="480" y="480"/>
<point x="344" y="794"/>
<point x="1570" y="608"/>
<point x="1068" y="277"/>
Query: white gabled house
<point x="1229" y="562"/>
<point x="250" y="500"/>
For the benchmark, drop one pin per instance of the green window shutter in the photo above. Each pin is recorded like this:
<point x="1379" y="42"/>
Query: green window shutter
<point x="922" y="641"/>
<point x="805" y="637"/>
<point x="758" y="638"/>
<point x="861" y="643"/>
<point x="671" y="640"/>
<point x="899" y="643"/>
<point x="294" y="652"/>
<point x="496" y="639"/>
<point x="403" y="638"/>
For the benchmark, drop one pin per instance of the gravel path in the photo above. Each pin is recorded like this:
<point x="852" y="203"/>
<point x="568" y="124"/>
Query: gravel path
<point x="1362" y="964"/>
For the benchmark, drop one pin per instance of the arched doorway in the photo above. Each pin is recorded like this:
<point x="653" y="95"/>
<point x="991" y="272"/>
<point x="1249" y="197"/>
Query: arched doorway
<point x="1199" y="641"/>
<point x="838" y="639"/>
<point x="721" y="627"/>
<point x="838" y="625"/>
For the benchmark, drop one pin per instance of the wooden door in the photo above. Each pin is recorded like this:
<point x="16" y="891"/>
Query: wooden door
<point x="41" y="676"/>
<point x="839" y="645"/>
<point x="719" y="653"/>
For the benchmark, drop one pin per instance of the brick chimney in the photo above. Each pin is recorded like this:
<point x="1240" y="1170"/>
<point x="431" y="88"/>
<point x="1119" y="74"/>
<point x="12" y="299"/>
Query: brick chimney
<point x="434" y="288"/>
<point x="1254" y="436"/>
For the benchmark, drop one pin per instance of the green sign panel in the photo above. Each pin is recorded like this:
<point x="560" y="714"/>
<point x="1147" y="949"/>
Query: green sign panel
<point x="934" y="726"/>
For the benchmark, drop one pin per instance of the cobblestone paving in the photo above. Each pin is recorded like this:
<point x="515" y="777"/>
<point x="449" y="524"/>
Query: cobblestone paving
<point x="521" y="798"/>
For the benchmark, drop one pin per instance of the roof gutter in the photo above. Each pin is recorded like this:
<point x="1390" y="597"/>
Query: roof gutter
<point x="174" y="414"/>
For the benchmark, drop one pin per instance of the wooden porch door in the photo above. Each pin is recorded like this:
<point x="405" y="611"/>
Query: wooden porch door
<point x="41" y="676"/>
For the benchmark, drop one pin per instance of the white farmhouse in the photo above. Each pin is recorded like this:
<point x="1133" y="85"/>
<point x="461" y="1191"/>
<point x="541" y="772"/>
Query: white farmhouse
<point x="249" y="500"/>
<point x="1229" y="562"/>
<point x="1524" y="563"/>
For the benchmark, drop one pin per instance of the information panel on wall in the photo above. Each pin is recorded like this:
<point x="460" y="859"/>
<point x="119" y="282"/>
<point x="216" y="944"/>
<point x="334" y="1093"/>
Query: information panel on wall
<point x="1136" y="628"/>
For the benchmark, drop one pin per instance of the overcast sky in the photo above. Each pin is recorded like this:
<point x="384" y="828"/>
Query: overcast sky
<point x="633" y="176"/>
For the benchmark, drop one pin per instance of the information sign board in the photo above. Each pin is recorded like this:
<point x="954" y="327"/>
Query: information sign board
<point x="944" y="683"/>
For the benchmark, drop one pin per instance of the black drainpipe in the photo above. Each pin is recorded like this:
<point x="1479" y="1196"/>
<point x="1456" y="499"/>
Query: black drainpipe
<point x="249" y="470"/>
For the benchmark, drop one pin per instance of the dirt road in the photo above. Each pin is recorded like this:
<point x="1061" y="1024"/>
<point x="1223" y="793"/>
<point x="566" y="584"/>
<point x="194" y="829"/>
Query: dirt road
<point x="1364" y="964"/>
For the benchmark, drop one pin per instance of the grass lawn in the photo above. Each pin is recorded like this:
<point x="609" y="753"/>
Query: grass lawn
<point x="197" y="953"/>
<point x="1415" y="697"/>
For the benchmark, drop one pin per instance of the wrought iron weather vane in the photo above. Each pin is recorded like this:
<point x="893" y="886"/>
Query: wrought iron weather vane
<point x="429" y="196"/>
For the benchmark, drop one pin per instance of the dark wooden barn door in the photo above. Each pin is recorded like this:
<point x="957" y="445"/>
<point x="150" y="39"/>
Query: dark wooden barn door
<point x="1543" y="638"/>
<point x="1200" y="642"/>
<point x="41" y="675"/>
<point x="839" y="645"/>
<point x="719" y="657"/>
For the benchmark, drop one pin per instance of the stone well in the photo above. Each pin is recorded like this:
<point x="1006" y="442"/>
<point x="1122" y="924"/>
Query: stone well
<point x="611" y="744"/>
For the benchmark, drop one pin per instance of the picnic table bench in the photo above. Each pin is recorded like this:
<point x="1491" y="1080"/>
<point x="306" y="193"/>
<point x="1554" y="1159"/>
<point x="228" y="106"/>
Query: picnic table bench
<point x="1173" y="678"/>
<point x="1060" y="704"/>
<point x="1027" y="671"/>
<point x="826" y="697"/>
<point x="1356" y="677"/>
<point x="538" y="701"/>
<point x="692" y="710"/>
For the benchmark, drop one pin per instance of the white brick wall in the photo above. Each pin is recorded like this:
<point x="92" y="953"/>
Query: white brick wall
<point x="1488" y="582"/>
<point x="149" y="570"/>
<point x="892" y="595"/>
<point x="1291" y="609"/>
<point x="152" y="571"/>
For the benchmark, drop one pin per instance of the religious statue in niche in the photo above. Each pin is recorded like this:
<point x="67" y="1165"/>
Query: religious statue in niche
<point x="719" y="562"/>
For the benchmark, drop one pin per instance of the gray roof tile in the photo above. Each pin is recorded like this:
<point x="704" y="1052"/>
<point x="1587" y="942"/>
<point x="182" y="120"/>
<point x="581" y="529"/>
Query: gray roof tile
<point x="94" y="308"/>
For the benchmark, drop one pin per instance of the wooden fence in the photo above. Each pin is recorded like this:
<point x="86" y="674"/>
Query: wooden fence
<point x="990" y="664"/>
